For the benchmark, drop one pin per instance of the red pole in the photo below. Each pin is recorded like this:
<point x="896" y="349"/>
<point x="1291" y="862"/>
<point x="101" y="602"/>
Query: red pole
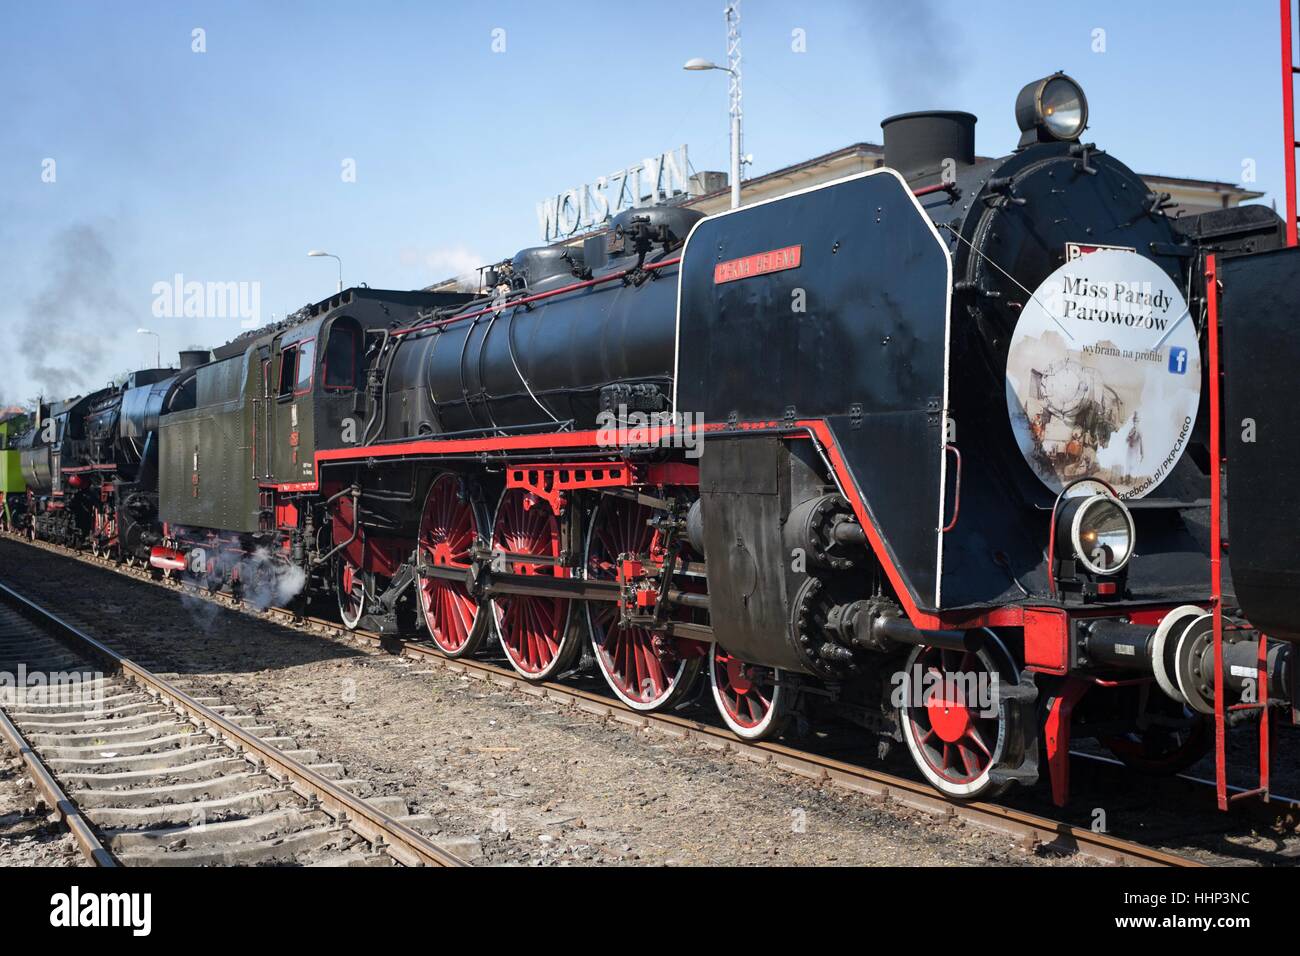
<point x="1216" y="529"/>
<point x="1288" y="121"/>
<point x="1265" y="753"/>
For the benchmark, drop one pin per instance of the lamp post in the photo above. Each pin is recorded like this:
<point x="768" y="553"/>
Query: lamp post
<point x="738" y="159"/>
<point x="317" y="253"/>
<point x="157" y="345"/>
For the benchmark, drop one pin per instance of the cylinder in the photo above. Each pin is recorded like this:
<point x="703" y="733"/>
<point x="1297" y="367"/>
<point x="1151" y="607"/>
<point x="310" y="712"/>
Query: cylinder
<point x="1116" y="643"/>
<point x="1241" y="664"/>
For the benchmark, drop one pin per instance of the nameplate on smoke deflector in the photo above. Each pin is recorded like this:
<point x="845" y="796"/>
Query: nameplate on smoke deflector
<point x="778" y="260"/>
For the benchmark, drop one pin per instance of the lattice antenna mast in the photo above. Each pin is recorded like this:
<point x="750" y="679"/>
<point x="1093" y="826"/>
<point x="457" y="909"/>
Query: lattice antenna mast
<point x="734" y="90"/>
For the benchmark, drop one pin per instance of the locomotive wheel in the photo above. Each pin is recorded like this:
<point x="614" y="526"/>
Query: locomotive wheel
<point x="351" y="587"/>
<point x="448" y="530"/>
<point x="752" y="699"/>
<point x="954" y="741"/>
<point x="638" y="675"/>
<point x="535" y="632"/>
<point x="1159" y="749"/>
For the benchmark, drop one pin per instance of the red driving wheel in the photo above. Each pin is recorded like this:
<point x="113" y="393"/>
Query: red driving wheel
<point x="646" y="671"/>
<point x="752" y="698"/>
<point x="534" y="631"/>
<point x="448" y="530"/>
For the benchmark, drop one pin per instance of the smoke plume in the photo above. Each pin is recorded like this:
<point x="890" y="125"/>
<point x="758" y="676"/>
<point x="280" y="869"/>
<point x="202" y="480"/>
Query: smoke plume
<point x="65" y="334"/>
<point x="917" y="49"/>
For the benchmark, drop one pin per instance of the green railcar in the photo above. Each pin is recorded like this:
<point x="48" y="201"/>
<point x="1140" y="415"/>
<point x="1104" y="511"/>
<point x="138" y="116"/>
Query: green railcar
<point x="13" y="489"/>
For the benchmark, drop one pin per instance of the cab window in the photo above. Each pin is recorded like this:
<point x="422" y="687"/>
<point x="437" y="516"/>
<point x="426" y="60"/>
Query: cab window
<point x="288" y="370"/>
<point x="342" y="358"/>
<point x="306" y="358"/>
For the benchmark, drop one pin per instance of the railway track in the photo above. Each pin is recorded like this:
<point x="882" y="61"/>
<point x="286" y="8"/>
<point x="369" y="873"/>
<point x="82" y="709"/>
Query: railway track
<point x="144" y="774"/>
<point x="1032" y="832"/>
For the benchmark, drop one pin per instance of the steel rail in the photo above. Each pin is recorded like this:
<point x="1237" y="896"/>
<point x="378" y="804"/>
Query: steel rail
<point x="380" y="830"/>
<point x="56" y="798"/>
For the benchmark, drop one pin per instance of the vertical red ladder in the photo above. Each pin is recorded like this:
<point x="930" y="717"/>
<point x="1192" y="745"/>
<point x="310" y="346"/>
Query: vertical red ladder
<point x="1217" y="541"/>
<point x="1289" y="71"/>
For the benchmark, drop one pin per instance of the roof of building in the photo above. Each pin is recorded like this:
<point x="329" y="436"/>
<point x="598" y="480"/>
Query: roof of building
<point x="876" y="151"/>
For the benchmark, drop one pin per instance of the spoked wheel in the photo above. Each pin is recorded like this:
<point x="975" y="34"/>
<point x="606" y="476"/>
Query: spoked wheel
<point x="955" y="726"/>
<point x="535" y="632"/>
<point x="647" y="671"/>
<point x="1172" y="739"/>
<point x="350" y="584"/>
<point x="753" y="699"/>
<point x="449" y="527"/>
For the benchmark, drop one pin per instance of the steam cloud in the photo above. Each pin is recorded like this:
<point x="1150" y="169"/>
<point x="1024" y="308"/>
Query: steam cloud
<point x="264" y="581"/>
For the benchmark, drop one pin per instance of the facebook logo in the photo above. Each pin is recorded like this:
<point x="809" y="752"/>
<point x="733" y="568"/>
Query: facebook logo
<point x="1178" y="361"/>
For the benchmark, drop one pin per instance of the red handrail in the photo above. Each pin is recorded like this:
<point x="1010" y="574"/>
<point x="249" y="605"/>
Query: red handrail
<point x="550" y="293"/>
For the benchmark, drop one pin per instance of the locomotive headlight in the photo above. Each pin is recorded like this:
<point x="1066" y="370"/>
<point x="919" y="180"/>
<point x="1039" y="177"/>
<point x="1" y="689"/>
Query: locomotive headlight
<point x="1051" y="108"/>
<point x="1099" y="529"/>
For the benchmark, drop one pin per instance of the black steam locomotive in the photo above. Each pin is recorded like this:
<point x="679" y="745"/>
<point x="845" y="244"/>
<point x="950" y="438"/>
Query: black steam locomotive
<point x="90" y="464"/>
<point x="924" y="447"/>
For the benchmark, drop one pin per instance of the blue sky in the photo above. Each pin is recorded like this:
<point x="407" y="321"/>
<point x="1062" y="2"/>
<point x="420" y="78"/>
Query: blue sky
<point x="225" y="165"/>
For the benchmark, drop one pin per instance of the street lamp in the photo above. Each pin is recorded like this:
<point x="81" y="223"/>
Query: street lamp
<point x="733" y="69"/>
<point x="157" y="345"/>
<point x="317" y="253"/>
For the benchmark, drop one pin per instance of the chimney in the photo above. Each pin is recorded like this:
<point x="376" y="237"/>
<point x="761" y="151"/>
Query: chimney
<point x="190" y="358"/>
<point x="917" y="144"/>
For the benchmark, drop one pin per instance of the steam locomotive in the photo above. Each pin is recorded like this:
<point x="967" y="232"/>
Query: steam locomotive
<point x="89" y="465"/>
<point x="924" y="448"/>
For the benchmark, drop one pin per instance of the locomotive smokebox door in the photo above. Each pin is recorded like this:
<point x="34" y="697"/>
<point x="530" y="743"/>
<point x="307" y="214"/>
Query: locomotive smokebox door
<point x="826" y="311"/>
<point x="1258" y="305"/>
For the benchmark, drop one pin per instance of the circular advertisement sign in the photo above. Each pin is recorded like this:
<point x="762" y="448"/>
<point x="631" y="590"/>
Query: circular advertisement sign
<point x="1104" y="374"/>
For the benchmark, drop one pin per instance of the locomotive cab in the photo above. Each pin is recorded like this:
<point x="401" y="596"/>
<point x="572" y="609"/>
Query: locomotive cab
<point x="315" y="393"/>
